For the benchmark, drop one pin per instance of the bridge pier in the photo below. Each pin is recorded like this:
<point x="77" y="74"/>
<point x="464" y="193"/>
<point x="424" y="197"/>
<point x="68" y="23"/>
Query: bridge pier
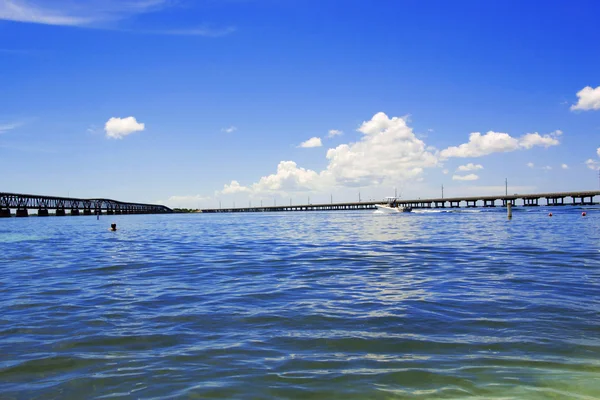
<point x="455" y="204"/>
<point x="489" y="203"/>
<point x="555" y="201"/>
<point x="582" y="201"/>
<point x="22" y="212"/>
<point x="60" y="212"/>
<point x="530" y="201"/>
<point x="440" y="204"/>
<point x="510" y="201"/>
<point x="75" y="211"/>
<point x="4" y="212"/>
<point x="471" y="203"/>
<point x="87" y="211"/>
<point x="43" y="212"/>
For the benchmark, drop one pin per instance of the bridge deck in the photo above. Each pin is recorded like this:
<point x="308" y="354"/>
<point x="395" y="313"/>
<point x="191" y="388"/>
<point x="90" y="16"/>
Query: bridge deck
<point x="552" y="199"/>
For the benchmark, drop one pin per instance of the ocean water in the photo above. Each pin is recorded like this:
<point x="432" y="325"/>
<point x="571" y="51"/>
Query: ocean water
<point x="315" y="305"/>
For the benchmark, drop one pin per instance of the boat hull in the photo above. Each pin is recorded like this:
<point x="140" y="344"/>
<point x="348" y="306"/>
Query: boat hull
<point x="391" y="210"/>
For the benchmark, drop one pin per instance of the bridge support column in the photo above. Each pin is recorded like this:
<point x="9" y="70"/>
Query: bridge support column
<point x="555" y="201"/>
<point x="454" y="204"/>
<point x="87" y="211"/>
<point x="43" y="212"/>
<point x="489" y="203"/>
<point x="506" y="202"/>
<point x="110" y="212"/>
<point x="440" y="204"/>
<point x="60" y="212"/>
<point x="75" y="211"/>
<point x="4" y="212"/>
<point x="22" y="212"/>
<point x="471" y="203"/>
<point x="530" y="202"/>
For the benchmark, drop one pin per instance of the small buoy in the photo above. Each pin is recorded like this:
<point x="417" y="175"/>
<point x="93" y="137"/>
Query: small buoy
<point x="583" y="214"/>
<point x="550" y="214"/>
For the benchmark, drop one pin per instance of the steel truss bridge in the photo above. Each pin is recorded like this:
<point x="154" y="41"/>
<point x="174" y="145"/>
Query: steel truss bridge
<point x="23" y="202"/>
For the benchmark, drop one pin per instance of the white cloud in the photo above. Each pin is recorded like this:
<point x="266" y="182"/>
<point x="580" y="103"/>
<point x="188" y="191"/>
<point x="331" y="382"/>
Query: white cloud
<point x="589" y="99"/>
<point x="388" y="150"/>
<point x="289" y="178"/>
<point x="388" y="153"/>
<point x="334" y="132"/>
<point x="598" y="151"/>
<point x="19" y="11"/>
<point x="118" y="128"/>
<point x="591" y="164"/>
<point x="95" y="14"/>
<point x="535" y="139"/>
<point x="8" y="127"/>
<point x="564" y="166"/>
<point x="202" y="31"/>
<point x="547" y="168"/>
<point x="312" y="142"/>
<point x="470" y="167"/>
<point x="470" y="177"/>
<point x="231" y="129"/>
<point x="498" y="142"/>
<point x="234" y="187"/>
<point x="530" y="164"/>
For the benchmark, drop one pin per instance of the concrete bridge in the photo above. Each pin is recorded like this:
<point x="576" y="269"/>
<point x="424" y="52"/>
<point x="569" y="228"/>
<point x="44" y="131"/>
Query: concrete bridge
<point x="526" y="200"/>
<point x="23" y="202"/>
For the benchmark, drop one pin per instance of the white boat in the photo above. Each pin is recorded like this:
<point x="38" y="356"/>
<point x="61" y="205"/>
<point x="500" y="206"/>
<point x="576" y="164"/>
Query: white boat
<point x="392" y="205"/>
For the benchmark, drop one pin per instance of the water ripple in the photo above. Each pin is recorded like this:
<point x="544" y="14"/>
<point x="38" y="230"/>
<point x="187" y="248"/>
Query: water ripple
<point x="325" y="305"/>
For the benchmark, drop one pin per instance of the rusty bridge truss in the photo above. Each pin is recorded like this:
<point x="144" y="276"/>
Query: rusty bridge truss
<point x="23" y="202"/>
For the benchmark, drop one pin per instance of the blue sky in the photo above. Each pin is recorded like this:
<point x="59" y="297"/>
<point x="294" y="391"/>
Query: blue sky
<point x="192" y="103"/>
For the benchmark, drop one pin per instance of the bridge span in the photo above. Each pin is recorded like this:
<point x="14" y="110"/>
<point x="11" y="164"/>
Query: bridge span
<point x="526" y="200"/>
<point x="23" y="202"/>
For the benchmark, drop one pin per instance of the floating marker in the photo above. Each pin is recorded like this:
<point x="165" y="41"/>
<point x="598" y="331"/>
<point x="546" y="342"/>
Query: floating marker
<point x="583" y="214"/>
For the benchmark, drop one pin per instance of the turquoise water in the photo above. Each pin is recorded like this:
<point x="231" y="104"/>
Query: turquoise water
<point x="320" y="305"/>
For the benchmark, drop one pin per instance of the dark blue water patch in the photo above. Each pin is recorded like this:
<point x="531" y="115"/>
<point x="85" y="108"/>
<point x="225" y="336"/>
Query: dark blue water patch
<point x="325" y="305"/>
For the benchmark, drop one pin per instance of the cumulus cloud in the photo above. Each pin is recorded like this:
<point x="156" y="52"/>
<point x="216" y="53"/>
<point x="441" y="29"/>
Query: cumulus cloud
<point x="470" y="177"/>
<point x="530" y="164"/>
<point x="498" y="142"/>
<point x="598" y="151"/>
<point x="564" y="166"/>
<point x="589" y="99"/>
<point x="387" y="153"/>
<point x="118" y="128"/>
<point x="289" y="178"/>
<point x="535" y="139"/>
<point x="547" y="168"/>
<point x="231" y="129"/>
<point x="234" y="187"/>
<point x="388" y="149"/>
<point x="591" y="164"/>
<point x="334" y="132"/>
<point x="312" y="142"/>
<point x="469" y="167"/>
